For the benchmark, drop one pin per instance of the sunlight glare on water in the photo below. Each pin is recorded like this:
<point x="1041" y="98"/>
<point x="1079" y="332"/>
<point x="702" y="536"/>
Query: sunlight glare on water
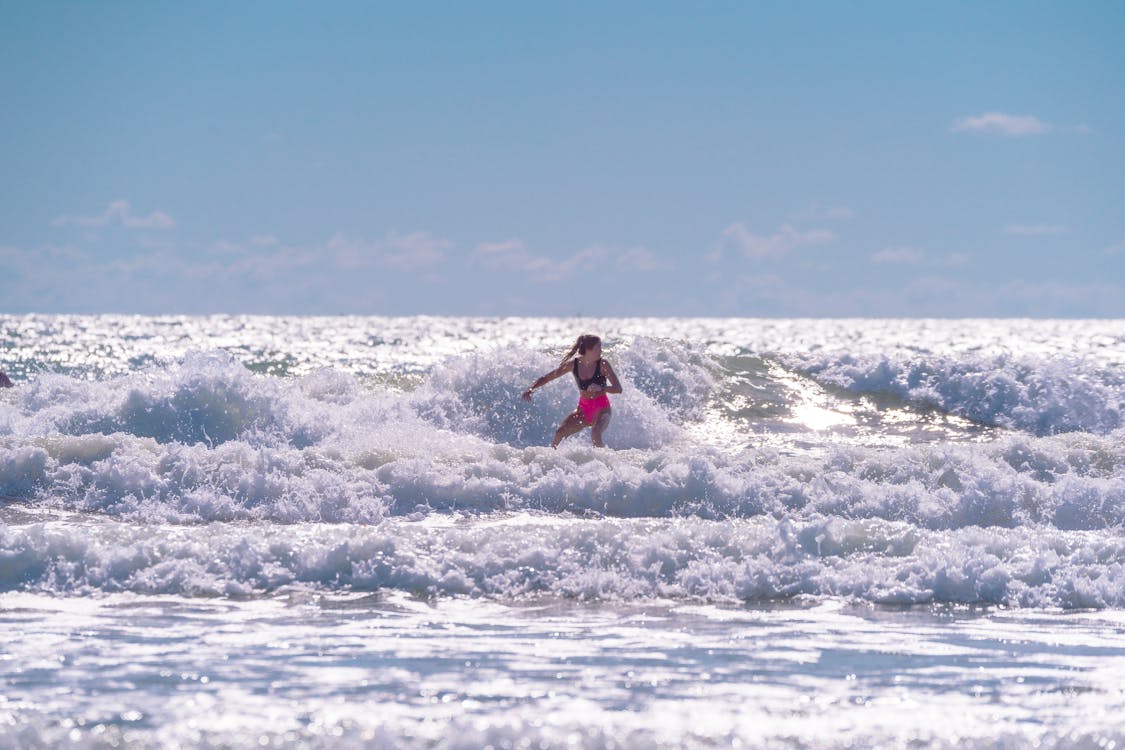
<point x="232" y="531"/>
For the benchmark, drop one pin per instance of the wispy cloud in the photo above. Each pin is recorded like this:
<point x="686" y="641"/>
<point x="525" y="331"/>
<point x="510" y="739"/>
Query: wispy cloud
<point x="410" y="252"/>
<point x="998" y="123"/>
<point x="954" y="260"/>
<point x="1115" y="249"/>
<point x="119" y="213"/>
<point x="899" y="255"/>
<point x="760" y="247"/>
<point x="395" y="252"/>
<point x="913" y="256"/>
<point x="817" y="213"/>
<point x="1034" y="230"/>
<point x="165" y="264"/>
<point x="640" y="259"/>
<point x="43" y="257"/>
<point x="265" y="257"/>
<point x="226" y="247"/>
<point x="513" y="255"/>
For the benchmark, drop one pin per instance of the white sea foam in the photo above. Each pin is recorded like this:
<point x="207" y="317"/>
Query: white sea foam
<point x="207" y="440"/>
<point x="618" y="560"/>
<point x="235" y="531"/>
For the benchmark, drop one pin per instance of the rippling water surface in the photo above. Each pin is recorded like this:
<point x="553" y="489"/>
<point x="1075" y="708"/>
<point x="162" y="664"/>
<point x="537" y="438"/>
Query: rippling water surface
<point x="226" y="531"/>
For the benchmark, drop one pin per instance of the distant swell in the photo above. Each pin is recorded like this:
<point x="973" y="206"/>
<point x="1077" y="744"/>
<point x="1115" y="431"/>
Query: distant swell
<point x="1043" y="397"/>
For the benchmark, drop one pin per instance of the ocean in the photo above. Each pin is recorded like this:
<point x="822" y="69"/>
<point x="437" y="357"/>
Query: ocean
<point x="228" y="531"/>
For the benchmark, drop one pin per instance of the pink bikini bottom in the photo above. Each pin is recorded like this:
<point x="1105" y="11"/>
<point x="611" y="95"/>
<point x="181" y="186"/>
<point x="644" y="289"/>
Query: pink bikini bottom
<point x="591" y="406"/>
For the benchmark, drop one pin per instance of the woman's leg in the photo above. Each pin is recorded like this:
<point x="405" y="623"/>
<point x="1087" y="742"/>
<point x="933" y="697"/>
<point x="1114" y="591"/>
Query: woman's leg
<point x="601" y="421"/>
<point x="575" y="422"/>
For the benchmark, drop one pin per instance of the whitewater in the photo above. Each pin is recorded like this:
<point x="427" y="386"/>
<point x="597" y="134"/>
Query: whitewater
<point x="233" y="531"/>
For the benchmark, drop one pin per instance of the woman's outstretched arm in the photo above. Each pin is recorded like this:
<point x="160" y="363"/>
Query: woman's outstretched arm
<point x="558" y="372"/>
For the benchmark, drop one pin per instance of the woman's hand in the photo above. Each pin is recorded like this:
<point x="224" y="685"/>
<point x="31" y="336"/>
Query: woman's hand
<point x="527" y="394"/>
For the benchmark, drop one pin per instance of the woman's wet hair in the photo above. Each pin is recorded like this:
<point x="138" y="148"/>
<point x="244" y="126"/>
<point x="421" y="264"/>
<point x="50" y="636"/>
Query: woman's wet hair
<point x="584" y="342"/>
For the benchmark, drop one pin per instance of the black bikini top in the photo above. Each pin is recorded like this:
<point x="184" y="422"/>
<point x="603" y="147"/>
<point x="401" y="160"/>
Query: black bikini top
<point x="597" y="378"/>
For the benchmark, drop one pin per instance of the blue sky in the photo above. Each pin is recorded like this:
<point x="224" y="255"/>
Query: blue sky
<point x="731" y="159"/>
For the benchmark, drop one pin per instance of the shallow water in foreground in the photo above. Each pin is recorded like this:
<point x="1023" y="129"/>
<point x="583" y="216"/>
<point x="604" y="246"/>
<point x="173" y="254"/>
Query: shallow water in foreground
<point x="299" y="669"/>
<point x="292" y="532"/>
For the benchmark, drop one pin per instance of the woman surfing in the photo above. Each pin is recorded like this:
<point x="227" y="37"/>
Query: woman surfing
<point x="595" y="379"/>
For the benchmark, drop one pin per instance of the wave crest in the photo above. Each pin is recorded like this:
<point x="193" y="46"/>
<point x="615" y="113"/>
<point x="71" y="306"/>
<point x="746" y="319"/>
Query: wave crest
<point x="519" y="557"/>
<point x="1044" y="397"/>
